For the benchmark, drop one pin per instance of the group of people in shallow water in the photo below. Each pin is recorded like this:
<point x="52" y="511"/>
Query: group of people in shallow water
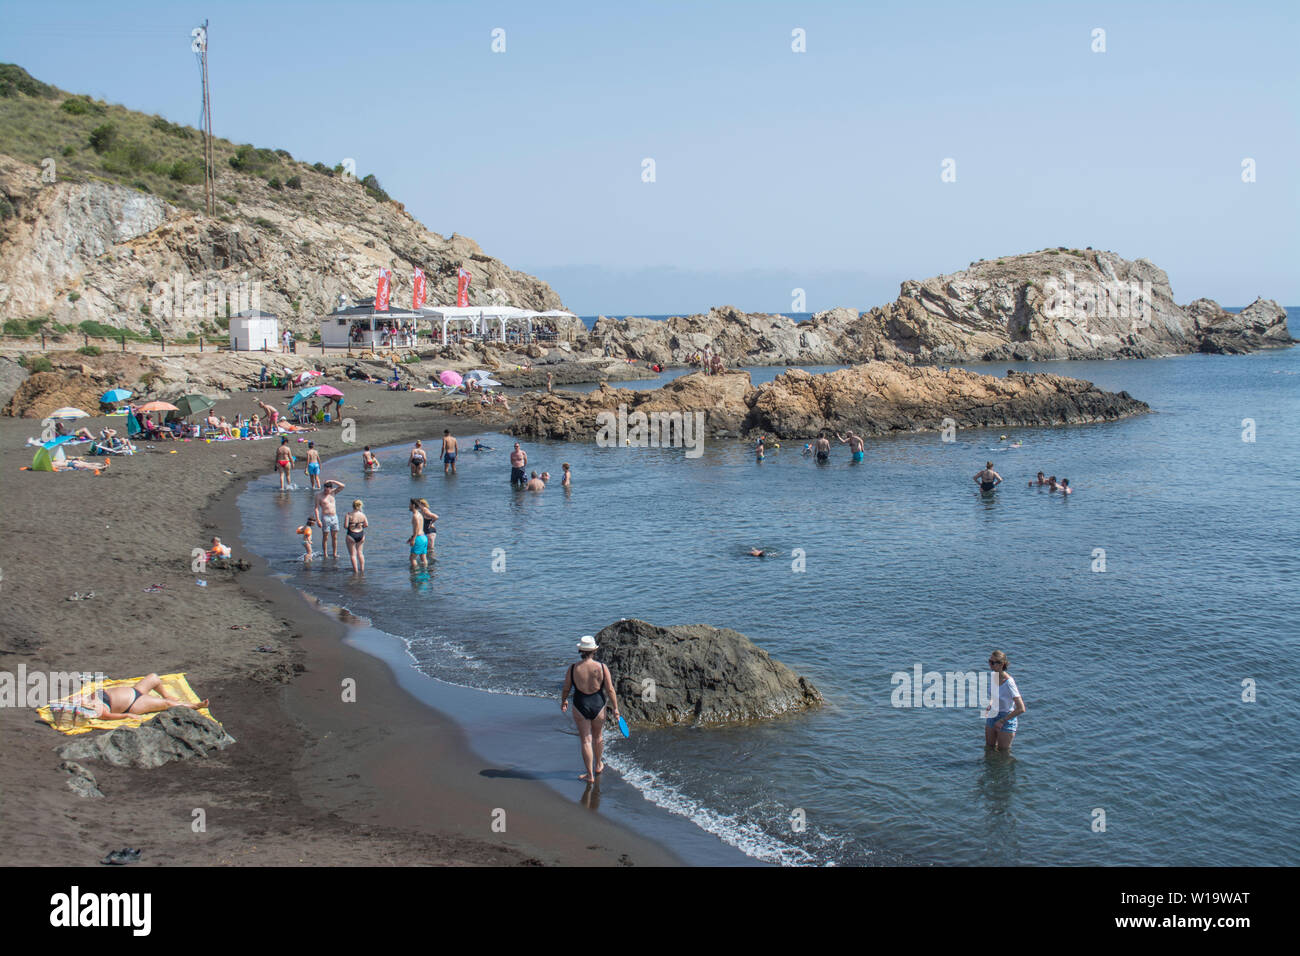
<point x="324" y="515"/>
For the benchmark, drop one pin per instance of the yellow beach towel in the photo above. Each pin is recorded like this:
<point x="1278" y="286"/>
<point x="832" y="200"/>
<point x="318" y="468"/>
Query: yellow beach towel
<point x="73" y="722"/>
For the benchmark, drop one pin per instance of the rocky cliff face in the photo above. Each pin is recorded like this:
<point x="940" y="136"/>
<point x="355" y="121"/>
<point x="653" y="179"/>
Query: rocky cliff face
<point x="875" y="398"/>
<point x="1055" y="304"/>
<point x="96" y="250"/>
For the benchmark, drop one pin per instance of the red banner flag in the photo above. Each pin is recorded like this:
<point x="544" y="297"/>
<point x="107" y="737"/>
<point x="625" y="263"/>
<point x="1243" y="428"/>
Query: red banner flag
<point x="417" y="297"/>
<point x="381" y="294"/>
<point x="462" y="287"/>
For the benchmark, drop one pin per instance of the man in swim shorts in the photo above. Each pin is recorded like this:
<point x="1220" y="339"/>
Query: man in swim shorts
<point x="449" y="449"/>
<point x="327" y="514"/>
<point x="518" y="459"/>
<point x="822" y="449"/>
<point x="988" y="479"/>
<point x="855" y="444"/>
<point x="313" y="464"/>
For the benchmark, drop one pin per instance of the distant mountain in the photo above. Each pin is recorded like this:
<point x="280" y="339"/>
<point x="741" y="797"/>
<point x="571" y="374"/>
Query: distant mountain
<point x="101" y="219"/>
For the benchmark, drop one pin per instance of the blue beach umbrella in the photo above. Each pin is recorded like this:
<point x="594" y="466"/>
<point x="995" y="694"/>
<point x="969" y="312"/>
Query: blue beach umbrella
<point x="305" y="393"/>
<point x="115" y="395"/>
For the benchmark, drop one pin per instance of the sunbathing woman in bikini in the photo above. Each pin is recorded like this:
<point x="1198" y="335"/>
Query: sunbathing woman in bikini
<point x="119" y="703"/>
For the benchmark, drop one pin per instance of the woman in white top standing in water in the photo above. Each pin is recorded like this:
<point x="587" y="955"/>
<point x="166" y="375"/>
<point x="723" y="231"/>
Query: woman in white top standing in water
<point x="1000" y="729"/>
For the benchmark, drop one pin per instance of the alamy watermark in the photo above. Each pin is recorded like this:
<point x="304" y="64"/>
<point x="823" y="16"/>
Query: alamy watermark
<point x="656" y="430"/>
<point x="1085" y="299"/>
<point x="922" y="688"/>
<point x="204" y="298"/>
<point x="40" y="688"/>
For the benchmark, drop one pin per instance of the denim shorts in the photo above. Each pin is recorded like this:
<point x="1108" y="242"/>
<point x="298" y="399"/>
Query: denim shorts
<point x="1008" y="728"/>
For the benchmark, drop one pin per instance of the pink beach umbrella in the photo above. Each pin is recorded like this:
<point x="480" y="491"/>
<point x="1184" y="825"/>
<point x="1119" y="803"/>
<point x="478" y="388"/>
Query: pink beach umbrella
<point x="328" y="391"/>
<point x="450" y="378"/>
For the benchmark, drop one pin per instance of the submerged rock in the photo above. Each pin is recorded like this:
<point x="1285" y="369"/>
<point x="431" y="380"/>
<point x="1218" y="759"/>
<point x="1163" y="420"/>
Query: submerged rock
<point x="696" y="674"/>
<point x="176" y="734"/>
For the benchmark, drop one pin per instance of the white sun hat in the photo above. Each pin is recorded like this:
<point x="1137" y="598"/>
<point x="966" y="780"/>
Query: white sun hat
<point x="588" y="643"/>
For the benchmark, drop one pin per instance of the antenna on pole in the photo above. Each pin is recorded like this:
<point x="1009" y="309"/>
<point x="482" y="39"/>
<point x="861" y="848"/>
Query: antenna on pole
<point x="200" y="47"/>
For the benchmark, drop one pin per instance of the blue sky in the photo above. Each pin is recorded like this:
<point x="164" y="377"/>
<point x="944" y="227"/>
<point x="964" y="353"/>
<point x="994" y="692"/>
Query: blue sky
<point x="774" y="170"/>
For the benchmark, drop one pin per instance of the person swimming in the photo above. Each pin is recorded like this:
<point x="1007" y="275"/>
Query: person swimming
<point x="1041" y="480"/>
<point x="757" y="553"/>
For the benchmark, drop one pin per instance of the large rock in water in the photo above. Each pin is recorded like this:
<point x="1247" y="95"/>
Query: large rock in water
<point x="175" y="734"/>
<point x="700" y="675"/>
<point x="876" y="398"/>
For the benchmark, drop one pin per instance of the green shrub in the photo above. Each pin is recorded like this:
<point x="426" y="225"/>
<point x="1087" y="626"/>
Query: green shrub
<point x="6" y="208"/>
<point x="141" y="185"/>
<point x="372" y="186"/>
<point x="188" y="171"/>
<point x="230" y="200"/>
<point x="266" y="224"/>
<point x="90" y="350"/>
<point x="325" y="170"/>
<point x="74" y="296"/>
<point x="275" y="183"/>
<point x="68" y="151"/>
<point x="24" y="328"/>
<point x="283" y="154"/>
<point x="144" y="308"/>
<point x="103" y="137"/>
<point x="14" y="80"/>
<point x="36" y="363"/>
<point x="171" y="129"/>
<point x="76" y="106"/>
<point x="294" y="182"/>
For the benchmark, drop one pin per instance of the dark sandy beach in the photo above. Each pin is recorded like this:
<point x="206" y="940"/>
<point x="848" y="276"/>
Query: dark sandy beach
<point x="311" y="780"/>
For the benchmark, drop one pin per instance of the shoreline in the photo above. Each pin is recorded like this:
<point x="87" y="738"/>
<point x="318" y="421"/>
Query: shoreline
<point x="309" y="781"/>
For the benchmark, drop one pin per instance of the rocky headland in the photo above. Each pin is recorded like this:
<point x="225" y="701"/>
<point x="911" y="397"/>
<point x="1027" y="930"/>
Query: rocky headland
<point x="875" y="398"/>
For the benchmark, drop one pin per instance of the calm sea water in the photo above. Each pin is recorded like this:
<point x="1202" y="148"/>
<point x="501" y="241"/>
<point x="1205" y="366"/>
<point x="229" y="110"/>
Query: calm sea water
<point x="1133" y="676"/>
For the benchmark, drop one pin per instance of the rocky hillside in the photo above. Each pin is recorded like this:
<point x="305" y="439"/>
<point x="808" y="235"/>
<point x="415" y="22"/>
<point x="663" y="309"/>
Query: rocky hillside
<point x="120" y="226"/>
<point x="876" y="398"/>
<point x="1053" y="304"/>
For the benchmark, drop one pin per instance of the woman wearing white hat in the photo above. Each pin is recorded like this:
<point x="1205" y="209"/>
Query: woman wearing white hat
<point x="589" y="707"/>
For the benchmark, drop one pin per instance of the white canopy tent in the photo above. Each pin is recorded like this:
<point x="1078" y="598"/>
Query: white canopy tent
<point x="479" y="315"/>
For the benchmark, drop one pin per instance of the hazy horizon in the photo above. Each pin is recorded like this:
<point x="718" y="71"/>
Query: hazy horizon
<point x="774" y="170"/>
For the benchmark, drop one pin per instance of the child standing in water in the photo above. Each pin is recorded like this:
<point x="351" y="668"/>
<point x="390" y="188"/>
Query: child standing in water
<point x="305" y="531"/>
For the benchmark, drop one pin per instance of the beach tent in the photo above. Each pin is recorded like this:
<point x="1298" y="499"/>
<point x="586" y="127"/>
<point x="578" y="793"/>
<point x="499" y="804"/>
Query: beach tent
<point x="50" y="454"/>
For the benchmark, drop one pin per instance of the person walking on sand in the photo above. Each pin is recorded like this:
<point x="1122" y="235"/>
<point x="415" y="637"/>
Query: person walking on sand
<point x="355" y="524"/>
<point x="119" y="703"/>
<point x="327" y="514"/>
<point x="417" y="459"/>
<point x="987" y="478"/>
<point x="1000" y="728"/>
<point x="448" y="452"/>
<point x="855" y="444"/>
<point x="313" y="465"/>
<point x="518" y="461"/>
<point x="284" y="464"/>
<point x="590" y="681"/>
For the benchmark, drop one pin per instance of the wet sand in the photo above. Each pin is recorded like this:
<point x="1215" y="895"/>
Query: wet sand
<point x="311" y="780"/>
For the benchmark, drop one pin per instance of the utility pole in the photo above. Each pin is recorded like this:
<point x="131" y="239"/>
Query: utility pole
<point x="200" y="47"/>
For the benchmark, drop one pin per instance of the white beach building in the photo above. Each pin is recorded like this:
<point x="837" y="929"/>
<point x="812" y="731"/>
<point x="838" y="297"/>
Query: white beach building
<point x="254" y="330"/>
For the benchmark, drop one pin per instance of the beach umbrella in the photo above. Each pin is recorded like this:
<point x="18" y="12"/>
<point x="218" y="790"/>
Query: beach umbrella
<point x="114" y="395"/>
<point x="189" y="405"/>
<point x="450" y="378"/>
<point x="66" y="413"/>
<point x="487" y="382"/>
<point x="480" y="374"/>
<point x="156" y="407"/>
<point x="307" y="377"/>
<point x="303" y="394"/>
<point x="328" y="391"/>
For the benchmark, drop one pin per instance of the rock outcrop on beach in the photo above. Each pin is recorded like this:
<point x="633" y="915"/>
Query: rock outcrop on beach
<point x="176" y="734"/>
<point x="93" y="227"/>
<point x="696" y="674"/>
<point x="1052" y="304"/>
<point x="876" y="398"/>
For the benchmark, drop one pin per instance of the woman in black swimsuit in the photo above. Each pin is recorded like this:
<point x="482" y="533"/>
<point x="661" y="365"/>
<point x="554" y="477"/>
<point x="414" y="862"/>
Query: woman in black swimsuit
<point x="430" y="522"/>
<point x="589" y="707"/>
<point x="119" y="703"/>
<point x="355" y="524"/>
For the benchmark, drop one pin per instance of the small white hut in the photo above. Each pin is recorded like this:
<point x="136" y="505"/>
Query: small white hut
<point x="254" y="330"/>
